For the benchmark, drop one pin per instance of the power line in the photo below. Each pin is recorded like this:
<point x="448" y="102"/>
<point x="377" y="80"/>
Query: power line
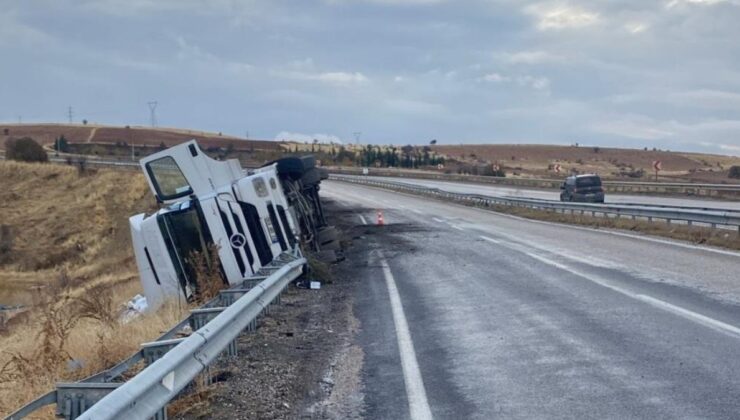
<point x="152" y="113"/>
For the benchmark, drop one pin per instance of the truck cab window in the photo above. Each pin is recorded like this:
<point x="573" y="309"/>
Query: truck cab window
<point x="168" y="179"/>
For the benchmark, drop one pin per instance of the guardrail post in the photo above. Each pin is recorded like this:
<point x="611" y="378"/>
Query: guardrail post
<point x="200" y="317"/>
<point x="154" y="350"/>
<point x="73" y="399"/>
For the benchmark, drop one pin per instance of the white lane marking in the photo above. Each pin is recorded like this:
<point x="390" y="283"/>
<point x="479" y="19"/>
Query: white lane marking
<point x="486" y="238"/>
<point x="438" y="220"/>
<point x="417" y="396"/>
<point x="456" y="227"/>
<point x="416" y="211"/>
<point x="658" y="303"/>
<point x="703" y="319"/>
<point x="362" y="219"/>
<point x="606" y="232"/>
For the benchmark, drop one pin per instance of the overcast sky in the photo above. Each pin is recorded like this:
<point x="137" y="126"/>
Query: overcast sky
<point x="631" y="73"/>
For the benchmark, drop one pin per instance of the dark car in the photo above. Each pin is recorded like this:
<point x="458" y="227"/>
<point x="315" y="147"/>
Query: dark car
<point x="585" y="188"/>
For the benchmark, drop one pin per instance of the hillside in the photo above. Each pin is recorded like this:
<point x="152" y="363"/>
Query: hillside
<point x="61" y="220"/>
<point x="517" y="160"/>
<point x="540" y="160"/>
<point x="66" y="256"/>
<point x="101" y="134"/>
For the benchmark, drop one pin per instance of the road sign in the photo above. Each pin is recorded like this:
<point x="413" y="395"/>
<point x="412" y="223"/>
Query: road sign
<point x="557" y="168"/>
<point x="657" y="165"/>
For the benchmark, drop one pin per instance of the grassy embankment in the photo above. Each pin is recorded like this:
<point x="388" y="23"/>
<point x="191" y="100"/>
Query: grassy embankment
<point x="69" y="260"/>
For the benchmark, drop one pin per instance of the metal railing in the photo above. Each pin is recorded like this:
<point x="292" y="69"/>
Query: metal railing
<point x="173" y="363"/>
<point x="711" y="217"/>
<point x="682" y="188"/>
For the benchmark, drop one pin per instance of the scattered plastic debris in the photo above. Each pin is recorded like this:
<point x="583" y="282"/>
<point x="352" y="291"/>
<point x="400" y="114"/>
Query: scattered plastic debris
<point x="135" y="307"/>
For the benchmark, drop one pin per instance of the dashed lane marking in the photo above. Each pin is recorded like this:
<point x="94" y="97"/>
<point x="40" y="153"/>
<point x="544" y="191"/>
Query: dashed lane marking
<point x="486" y="238"/>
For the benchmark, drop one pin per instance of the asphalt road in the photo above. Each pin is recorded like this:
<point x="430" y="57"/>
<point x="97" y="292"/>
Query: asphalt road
<point x="469" y="314"/>
<point x="510" y="191"/>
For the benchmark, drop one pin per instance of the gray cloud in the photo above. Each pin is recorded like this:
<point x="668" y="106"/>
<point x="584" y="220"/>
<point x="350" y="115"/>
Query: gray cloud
<point x="661" y="73"/>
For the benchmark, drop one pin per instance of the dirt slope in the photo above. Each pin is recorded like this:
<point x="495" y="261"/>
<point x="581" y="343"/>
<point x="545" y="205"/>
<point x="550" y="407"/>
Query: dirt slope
<point x="61" y="220"/>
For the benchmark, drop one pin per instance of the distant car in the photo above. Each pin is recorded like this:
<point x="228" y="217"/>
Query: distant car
<point x="586" y="188"/>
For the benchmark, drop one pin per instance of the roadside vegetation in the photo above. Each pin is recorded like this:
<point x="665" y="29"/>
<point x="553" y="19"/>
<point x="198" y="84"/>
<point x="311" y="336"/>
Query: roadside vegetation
<point x="66" y="258"/>
<point x="25" y="149"/>
<point x="699" y="235"/>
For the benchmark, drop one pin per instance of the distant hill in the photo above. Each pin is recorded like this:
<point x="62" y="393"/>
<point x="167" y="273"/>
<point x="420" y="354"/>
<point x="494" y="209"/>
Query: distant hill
<point x="102" y="134"/>
<point x="541" y="160"/>
<point x="116" y="142"/>
<point x="516" y="160"/>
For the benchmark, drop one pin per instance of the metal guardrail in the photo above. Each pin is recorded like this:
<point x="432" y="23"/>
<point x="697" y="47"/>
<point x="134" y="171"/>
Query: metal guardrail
<point x="89" y="162"/>
<point x="713" y="218"/>
<point x="173" y="363"/>
<point x="683" y="188"/>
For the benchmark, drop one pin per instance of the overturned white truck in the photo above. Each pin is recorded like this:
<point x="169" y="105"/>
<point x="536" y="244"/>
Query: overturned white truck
<point x="251" y="217"/>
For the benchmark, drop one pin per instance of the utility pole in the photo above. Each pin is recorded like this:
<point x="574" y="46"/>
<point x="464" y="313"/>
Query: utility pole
<point x="20" y="119"/>
<point x="357" y="135"/>
<point x="69" y="113"/>
<point x="247" y="135"/>
<point x="152" y="113"/>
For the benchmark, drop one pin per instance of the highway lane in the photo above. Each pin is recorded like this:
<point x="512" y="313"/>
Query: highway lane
<point x="504" y="191"/>
<point x="510" y="318"/>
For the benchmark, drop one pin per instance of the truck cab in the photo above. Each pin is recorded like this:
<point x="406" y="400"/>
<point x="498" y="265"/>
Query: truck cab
<point x="207" y="203"/>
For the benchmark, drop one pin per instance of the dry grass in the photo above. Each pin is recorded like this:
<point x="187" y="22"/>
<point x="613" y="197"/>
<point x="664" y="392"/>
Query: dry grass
<point x="70" y="260"/>
<point x="319" y="269"/>
<point x="197" y="401"/>
<point x="101" y="134"/>
<point x="207" y="268"/>
<point x="61" y="220"/>
<point x="533" y="160"/>
<point x="699" y="235"/>
<point x="65" y="339"/>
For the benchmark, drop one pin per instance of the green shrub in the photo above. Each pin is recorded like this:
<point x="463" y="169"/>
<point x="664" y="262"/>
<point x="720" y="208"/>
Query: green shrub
<point x="26" y="150"/>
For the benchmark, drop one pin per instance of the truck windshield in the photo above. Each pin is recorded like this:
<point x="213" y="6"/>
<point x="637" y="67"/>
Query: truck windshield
<point x="588" y="181"/>
<point x="168" y="179"/>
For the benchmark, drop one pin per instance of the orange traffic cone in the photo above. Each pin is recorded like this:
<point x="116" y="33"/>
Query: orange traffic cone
<point x="380" y="218"/>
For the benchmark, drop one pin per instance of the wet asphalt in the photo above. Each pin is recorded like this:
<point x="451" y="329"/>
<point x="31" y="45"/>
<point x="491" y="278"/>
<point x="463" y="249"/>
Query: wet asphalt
<point x="518" y="319"/>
